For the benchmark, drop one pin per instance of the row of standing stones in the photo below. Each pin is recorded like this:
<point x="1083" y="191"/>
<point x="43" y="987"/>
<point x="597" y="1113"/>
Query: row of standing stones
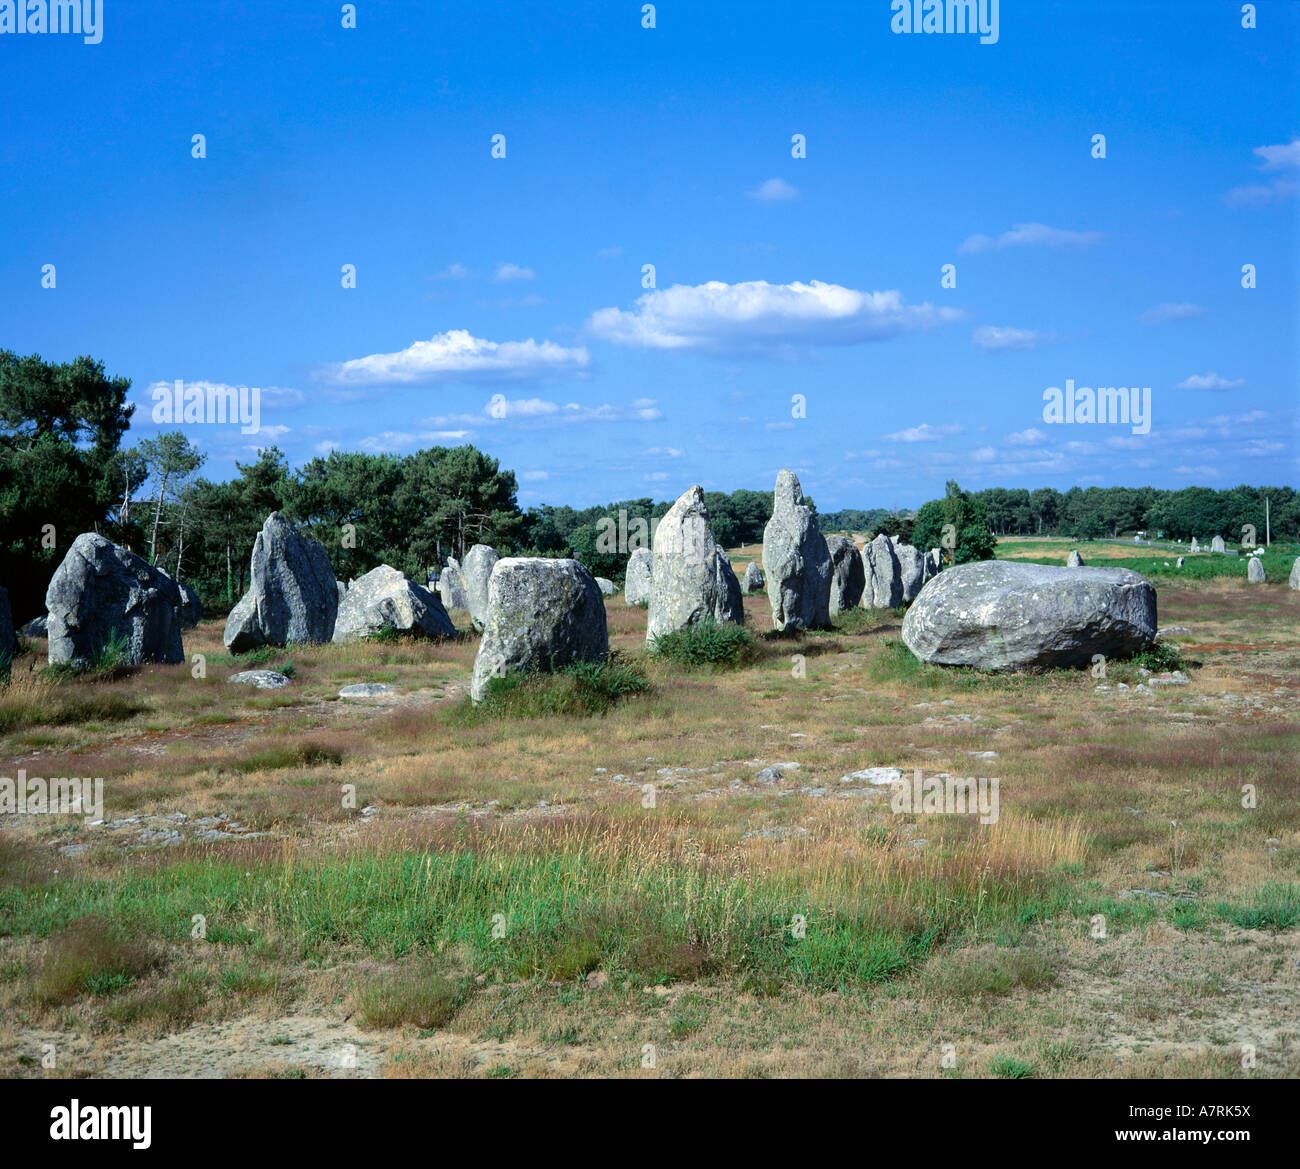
<point x="537" y="613"/>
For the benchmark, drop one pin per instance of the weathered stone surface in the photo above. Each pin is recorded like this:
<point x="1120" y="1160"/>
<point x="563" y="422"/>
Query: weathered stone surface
<point x="36" y="627"/>
<point x="452" y="588"/>
<point x="476" y="572"/>
<point x="386" y="599"/>
<point x="607" y="587"/>
<point x="1196" y="547"/>
<point x="1255" y="570"/>
<point x="848" y="578"/>
<point x="100" y="592"/>
<point x="637" y="579"/>
<point x="1293" y="581"/>
<point x="292" y="596"/>
<point x="8" y="638"/>
<point x="342" y="590"/>
<point x="911" y="570"/>
<point x="191" y="611"/>
<point x="542" y="615"/>
<point x="933" y="563"/>
<point x="754" y="581"/>
<point x="692" y="577"/>
<point x="884" y="575"/>
<point x="366" y="690"/>
<point x="262" y="679"/>
<point x="1074" y="560"/>
<point x="1217" y="545"/>
<point x="796" y="561"/>
<point x="1001" y="615"/>
<point x="1179" y="564"/>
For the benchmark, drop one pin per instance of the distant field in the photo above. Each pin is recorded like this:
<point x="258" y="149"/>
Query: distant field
<point x="370" y="928"/>
<point x="1157" y="565"/>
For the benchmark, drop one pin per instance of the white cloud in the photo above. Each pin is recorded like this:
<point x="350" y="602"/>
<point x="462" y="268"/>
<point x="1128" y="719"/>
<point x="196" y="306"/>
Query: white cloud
<point x="456" y="355"/>
<point x="1283" y="156"/>
<point x="1210" y="381"/>
<point x="994" y="338"/>
<point x="1161" y="313"/>
<point x="393" y="440"/>
<point x="923" y="433"/>
<point x="775" y="191"/>
<point x="757" y="315"/>
<point x="613" y="253"/>
<point x="1030" y="437"/>
<point x="453" y="272"/>
<point x="984" y="454"/>
<point x="1275" y="191"/>
<point x="513" y="272"/>
<point x="1032" y="235"/>
<point x="536" y="476"/>
<point x="540" y="411"/>
<point x="666" y="452"/>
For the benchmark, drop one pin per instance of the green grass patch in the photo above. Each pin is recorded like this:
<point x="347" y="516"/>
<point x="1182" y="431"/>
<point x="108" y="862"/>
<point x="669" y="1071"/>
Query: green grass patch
<point x="707" y="644"/>
<point x="578" y="689"/>
<point x="1271" y="907"/>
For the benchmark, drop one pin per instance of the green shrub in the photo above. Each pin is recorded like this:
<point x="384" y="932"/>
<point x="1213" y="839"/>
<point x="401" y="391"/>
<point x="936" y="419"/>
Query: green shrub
<point x="1273" y="907"/>
<point x="580" y="688"/>
<point x="1159" y="656"/>
<point x="707" y="643"/>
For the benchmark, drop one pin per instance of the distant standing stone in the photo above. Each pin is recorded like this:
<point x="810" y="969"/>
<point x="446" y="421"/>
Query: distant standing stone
<point x="1293" y="581"/>
<point x="477" y="571"/>
<point x="884" y="575"/>
<point x="796" y="561"/>
<point x="607" y="587"/>
<point x="693" y="579"/>
<point x="451" y="586"/>
<point x="848" y="578"/>
<point x="1217" y="545"/>
<point x="36" y="627"/>
<point x="637" y="578"/>
<point x="1074" y="560"/>
<point x="1196" y="547"/>
<point x="755" y="581"/>
<point x="1179" y="563"/>
<point x="911" y="570"/>
<point x="386" y="599"/>
<point x="1255" y="570"/>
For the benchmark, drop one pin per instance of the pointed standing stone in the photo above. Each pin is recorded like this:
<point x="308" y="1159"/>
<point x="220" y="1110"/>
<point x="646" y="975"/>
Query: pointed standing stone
<point x="796" y="561"/>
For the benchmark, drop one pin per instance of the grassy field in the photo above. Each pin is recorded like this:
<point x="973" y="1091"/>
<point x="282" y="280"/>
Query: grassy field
<point x="290" y="884"/>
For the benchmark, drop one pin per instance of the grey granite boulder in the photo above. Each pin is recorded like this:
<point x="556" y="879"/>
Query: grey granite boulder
<point x="636" y="581"/>
<point x="102" y="593"/>
<point x="36" y="627"/>
<point x="911" y="570"/>
<point x="1255" y="570"/>
<point x="1217" y="545"/>
<point x="607" y="587"/>
<point x="452" y="588"/>
<point x="542" y="615"/>
<point x="387" y="599"/>
<point x="1001" y="615"/>
<point x="191" y="606"/>
<point x="796" y="561"/>
<point x="262" y="679"/>
<point x="692" y="577"/>
<point x="292" y="596"/>
<point x="1196" y="547"/>
<point x="476" y="572"/>
<point x="848" y="578"/>
<point x="1074" y="560"/>
<point x="933" y="563"/>
<point x="754" y="580"/>
<point x="1293" y="581"/>
<point x="884" y="575"/>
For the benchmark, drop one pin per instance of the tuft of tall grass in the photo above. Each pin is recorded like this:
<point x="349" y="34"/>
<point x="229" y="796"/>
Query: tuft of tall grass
<point x="578" y="689"/>
<point x="92" y="955"/>
<point x="707" y="644"/>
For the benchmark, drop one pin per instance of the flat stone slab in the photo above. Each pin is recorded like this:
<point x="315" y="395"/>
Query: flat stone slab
<point x="262" y="679"/>
<point x="878" y="776"/>
<point x="366" y="690"/>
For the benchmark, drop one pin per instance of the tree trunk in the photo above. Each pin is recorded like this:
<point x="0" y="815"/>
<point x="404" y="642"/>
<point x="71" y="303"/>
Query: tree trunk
<point x="157" y="516"/>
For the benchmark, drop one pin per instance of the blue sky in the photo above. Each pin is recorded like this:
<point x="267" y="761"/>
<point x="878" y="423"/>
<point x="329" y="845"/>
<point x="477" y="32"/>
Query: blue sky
<point x="519" y="280"/>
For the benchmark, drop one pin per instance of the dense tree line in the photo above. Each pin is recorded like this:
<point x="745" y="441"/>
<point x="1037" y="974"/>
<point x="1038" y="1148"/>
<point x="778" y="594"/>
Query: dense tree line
<point x="63" y="471"/>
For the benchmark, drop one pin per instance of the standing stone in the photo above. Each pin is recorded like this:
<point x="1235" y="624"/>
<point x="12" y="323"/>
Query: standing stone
<point x="933" y="563"/>
<point x="452" y="587"/>
<point x="1293" y="581"/>
<point x="1217" y="545"/>
<point x="636" y="580"/>
<point x="692" y="577"/>
<point x="1180" y="563"/>
<point x="293" y="596"/>
<point x="479" y="563"/>
<point x="542" y="615"/>
<point x="1004" y="615"/>
<point x="36" y="627"/>
<point x="796" y="561"/>
<point x="191" y="607"/>
<point x="342" y="591"/>
<point x="8" y="639"/>
<point x="911" y="570"/>
<point x="607" y="587"/>
<point x="1255" y="570"/>
<point x="754" y="581"/>
<point x="102" y="592"/>
<point x="1195" y="545"/>
<point x="1074" y="560"/>
<point x="884" y="575"/>
<point x="386" y="599"/>
<point x="848" y="577"/>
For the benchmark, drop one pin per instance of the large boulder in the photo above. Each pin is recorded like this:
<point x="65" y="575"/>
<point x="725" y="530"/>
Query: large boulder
<point x="754" y="580"/>
<point x="1293" y="581"/>
<point x="884" y="575"/>
<point x="796" y="561"/>
<point x="692" y="577"/>
<point x="452" y="587"/>
<point x="102" y="593"/>
<point x="637" y="578"/>
<point x="607" y="587"/>
<point x="1217" y="545"/>
<point x="1255" y="570"/>
<point x="292" y="596"/>
<point x="1001" y="615"/>
<point x="476" y="572"/>
<point x="542" y="615"/>
<point x="8" y="638"/>
<point x="847" y="575"/>
<point x="386" y="599"/>
<point x="911" y="570"/>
